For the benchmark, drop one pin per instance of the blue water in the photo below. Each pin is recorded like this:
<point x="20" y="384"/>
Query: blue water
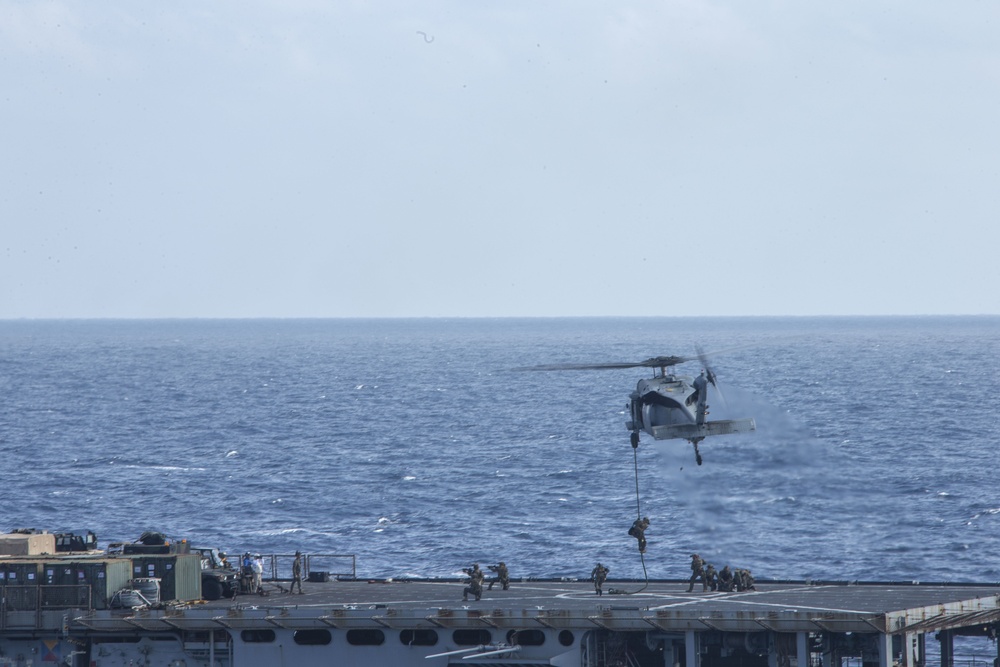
<point x="411" y="444"/>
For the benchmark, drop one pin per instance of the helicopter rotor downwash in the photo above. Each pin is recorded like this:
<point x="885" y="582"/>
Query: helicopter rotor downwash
<point x="667" y="405"/>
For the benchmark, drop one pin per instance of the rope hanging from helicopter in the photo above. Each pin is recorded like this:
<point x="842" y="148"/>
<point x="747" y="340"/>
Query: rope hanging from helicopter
<point x="640" y="536"/>
<point x="638" y="515"/>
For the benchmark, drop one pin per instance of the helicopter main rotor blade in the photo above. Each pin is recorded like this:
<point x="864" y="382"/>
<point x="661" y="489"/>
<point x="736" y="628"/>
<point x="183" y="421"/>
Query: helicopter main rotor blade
<point x="653" y="362"/>
<point x="710" y="374"/>
<point x="576" y="367"/>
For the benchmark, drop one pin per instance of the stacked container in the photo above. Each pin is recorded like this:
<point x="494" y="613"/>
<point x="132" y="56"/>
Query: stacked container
<point x="78" y="582"/>
<point x="179" y="574"/>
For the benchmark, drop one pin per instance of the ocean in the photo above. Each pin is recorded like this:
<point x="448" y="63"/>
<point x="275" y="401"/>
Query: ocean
<point x="413" y="445"/>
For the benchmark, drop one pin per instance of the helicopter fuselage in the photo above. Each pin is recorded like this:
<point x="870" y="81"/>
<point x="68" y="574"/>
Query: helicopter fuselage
<point x="666" y="405"/>
<point x="675" y="406"/>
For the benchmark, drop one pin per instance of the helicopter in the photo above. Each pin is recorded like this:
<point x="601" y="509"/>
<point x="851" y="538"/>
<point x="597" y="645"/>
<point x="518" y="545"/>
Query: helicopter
<point x="666" y="405"/>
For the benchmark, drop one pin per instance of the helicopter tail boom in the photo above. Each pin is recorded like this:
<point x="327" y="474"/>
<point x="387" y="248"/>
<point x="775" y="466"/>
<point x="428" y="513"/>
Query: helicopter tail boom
<point x="692" y="431"/>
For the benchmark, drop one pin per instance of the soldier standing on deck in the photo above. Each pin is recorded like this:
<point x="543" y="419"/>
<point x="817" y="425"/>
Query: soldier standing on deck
<point x="599" y="574"/>
<point x="697" y="572"/>
<point x="296" y="573"/>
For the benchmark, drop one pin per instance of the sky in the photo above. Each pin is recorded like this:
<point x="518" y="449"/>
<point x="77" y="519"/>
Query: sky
<point x="308" y="158"/>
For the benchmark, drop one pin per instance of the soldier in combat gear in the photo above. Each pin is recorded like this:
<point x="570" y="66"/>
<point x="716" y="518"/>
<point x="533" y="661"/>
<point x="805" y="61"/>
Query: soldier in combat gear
<point x="743" y="580"/>
<point x="725" y="579"/>
<point x="296" y="573"/>
<point x="697" y="572"/>
<point x="475" y="586"/>
<point x="638" y="531"/>
<point x="598" y="575"/>
<point x="710" y="578"/>
<point x="502" y="578"/>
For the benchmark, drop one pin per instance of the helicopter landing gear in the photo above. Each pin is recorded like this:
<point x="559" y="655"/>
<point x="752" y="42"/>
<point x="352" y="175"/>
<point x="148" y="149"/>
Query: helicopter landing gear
<point x="635" y="439"/>
<point x="697" y="454"/>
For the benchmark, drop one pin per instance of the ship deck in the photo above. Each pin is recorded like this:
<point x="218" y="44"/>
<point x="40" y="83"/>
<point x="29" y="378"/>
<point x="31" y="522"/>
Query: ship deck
<point x="775" y="606"/>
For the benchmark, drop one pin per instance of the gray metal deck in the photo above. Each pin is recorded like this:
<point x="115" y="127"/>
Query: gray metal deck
<point x="781" y="624"/>
<point x="781" y="607"/>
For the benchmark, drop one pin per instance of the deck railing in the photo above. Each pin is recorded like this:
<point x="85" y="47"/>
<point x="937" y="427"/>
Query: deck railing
<point x="35" y="597"/>
<point x="22" y="606"/>
<point x="278" y="567"/>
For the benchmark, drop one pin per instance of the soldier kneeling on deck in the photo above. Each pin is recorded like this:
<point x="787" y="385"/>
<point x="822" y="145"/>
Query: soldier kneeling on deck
<point x="711" y="579"/>
<point x="502" y="578"/>
<point x="725" y="579"/>
<point x="743" y="580"/>
<point x="475" y="586"/>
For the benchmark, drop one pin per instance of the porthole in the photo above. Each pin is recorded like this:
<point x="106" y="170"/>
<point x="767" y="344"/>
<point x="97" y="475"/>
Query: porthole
<point x="316" y="637"/>
<point x="471" y="637"/>
<point x="531" y="637"/>
<point x="566" y="638"/>
<point x="257" y="636"/>
<point x="365" y="637"/>
<point x="418" y="637"/>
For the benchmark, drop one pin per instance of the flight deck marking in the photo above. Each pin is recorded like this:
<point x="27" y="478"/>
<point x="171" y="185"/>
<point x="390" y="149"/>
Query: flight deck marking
<point x="762" y="605"/>
<point x="810" y="589"/>
<point x="576" y="595"/>
<point x="550" y="594"/>
<point x="749" y="598"/>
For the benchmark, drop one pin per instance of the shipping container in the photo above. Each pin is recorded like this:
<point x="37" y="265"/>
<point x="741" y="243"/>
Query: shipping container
<point x="20" y="571"/>
<point x="179" y="574"/>
<point x="20" y="579"/>
<point x="83" y="582"/>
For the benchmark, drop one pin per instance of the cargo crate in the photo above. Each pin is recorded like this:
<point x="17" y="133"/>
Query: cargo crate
<point x="74" y="583"/>
<point x="179" y="574"/>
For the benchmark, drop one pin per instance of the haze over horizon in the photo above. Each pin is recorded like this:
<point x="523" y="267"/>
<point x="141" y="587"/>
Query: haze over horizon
<point x="447" y="159"/>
